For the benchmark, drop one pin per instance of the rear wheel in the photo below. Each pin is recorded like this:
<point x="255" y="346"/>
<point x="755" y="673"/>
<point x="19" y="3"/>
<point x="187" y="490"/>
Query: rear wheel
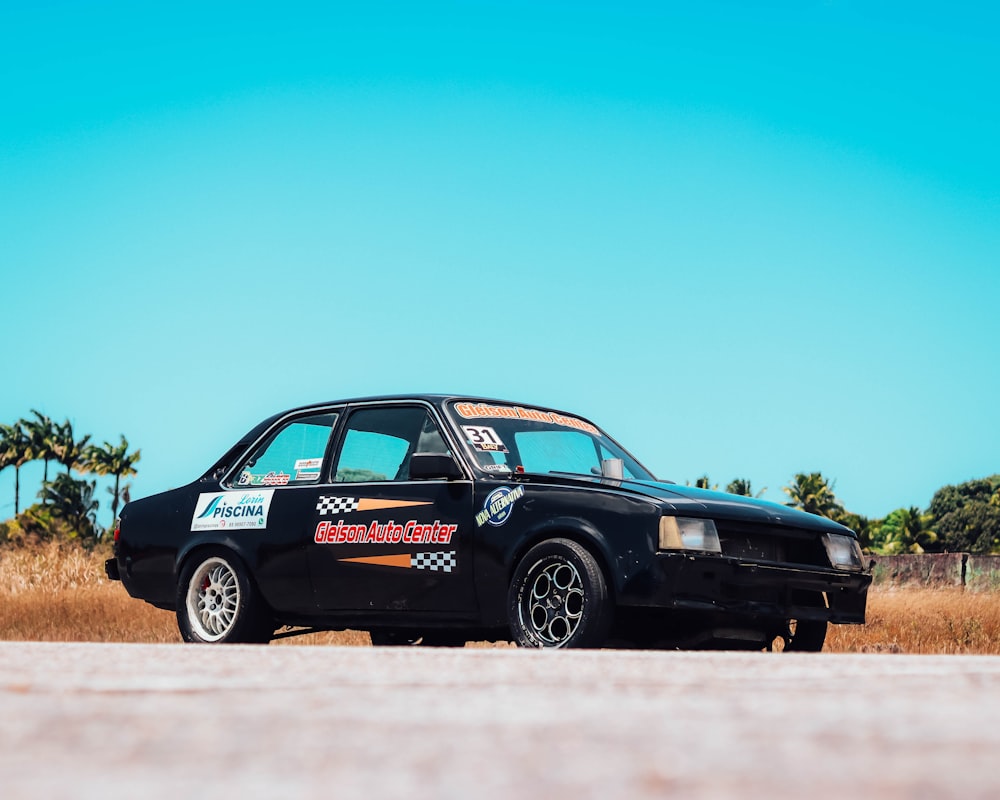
<point x="218" y="603"/>
<point x="558" y="597"/>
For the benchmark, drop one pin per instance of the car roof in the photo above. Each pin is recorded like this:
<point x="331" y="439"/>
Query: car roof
<point x="434" y="399"/>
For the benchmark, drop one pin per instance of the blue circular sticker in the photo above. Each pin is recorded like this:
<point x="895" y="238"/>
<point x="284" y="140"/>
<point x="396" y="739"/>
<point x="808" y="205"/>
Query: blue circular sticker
<point x="498" y="505"/>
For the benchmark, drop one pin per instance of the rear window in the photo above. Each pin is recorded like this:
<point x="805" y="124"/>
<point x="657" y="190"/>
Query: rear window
<point x="292" y="455"/>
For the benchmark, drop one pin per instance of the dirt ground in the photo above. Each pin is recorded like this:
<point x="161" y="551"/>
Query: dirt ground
<point x="81" y="720"/>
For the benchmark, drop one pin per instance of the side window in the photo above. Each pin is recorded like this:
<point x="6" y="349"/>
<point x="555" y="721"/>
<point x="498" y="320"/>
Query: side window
<point x="292" y="455"/>
<point x="378" y="443"/>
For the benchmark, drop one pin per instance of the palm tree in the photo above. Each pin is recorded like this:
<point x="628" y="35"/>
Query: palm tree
<point x="15" y="451"/>
<point x="907" y="530"/>
<point x="812" y="493"/>
<point x="43" y="433"/>
<point x="741" y="486"/>
<point x="68" y="451"/>
<point x="114" y="460"/>
<point x="73" y="501"/>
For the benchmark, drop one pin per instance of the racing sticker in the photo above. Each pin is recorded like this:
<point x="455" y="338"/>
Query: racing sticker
<point x="226" y="510"/>
<point x="391" y="532"/>
<point x="499" y="503"/>
<point x="435" y="562"/>
<point x="484" y="438"/>
<point x="473" y="410"/>
<point x="270" y="479"/>
<point x="344" y="505"/>
<point x="307" y="469"/>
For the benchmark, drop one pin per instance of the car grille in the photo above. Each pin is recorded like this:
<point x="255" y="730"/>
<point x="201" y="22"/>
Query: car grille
<point x="770" y="544"/>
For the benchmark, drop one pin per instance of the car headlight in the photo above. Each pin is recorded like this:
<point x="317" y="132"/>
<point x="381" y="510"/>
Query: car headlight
<point x="689" y="533"/>
<point x="844" y="552"/>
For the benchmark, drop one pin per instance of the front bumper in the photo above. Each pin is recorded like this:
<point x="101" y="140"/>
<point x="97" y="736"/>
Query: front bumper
<point x="690" y="582"/>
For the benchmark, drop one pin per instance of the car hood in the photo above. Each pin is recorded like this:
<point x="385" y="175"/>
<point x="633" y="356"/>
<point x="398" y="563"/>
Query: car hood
<point x="704" y="502"/>
<point x="687" y="500"/>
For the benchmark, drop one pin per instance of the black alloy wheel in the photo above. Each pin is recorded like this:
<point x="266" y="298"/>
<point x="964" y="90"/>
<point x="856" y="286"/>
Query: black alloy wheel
<point x="558" y="597"/>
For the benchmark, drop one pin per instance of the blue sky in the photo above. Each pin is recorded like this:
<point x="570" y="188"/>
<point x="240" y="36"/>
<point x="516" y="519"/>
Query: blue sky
<point x="748" y="240"/>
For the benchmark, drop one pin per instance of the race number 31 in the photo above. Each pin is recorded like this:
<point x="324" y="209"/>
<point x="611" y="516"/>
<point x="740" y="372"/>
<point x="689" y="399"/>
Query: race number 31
<point x="485" y="438"/>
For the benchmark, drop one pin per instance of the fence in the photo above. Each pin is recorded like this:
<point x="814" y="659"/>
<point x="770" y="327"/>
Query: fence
<point x="938" y="571"/>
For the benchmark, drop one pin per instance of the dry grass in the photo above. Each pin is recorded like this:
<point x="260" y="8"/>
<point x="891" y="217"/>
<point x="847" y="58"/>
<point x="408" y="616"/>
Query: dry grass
<point x="923" y="621"/>
<point x="59" y="593"/>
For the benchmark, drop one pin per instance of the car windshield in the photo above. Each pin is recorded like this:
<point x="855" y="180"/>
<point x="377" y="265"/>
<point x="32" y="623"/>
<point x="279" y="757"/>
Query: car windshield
<point x="504" y="439"/>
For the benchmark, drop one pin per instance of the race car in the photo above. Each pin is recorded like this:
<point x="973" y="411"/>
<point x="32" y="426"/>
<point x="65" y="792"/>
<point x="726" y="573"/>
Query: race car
<point x="443" y="519"/>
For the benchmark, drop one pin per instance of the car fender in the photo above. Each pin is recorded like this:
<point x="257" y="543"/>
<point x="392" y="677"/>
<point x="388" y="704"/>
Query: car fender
<point x="213" y="539"/>
<point x="613" y="562"/>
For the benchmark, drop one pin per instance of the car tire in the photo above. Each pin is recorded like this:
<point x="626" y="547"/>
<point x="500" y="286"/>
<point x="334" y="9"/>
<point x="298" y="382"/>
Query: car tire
<point x="804" y="636"/>
<point x="558" y="597"/>
<point x="218" y="603"/>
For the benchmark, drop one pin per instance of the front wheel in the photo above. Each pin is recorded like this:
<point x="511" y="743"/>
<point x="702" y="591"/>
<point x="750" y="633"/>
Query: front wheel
<point x="218" y="603"/>
<point x="558" y="597"/>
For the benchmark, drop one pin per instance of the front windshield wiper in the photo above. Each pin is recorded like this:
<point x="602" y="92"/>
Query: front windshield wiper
<point x="586" y="475"/>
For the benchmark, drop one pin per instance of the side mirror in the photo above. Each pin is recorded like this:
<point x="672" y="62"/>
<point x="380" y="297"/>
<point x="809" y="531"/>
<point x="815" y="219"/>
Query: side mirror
<point x="426" y="466"/>
<point x="613" y="468"/>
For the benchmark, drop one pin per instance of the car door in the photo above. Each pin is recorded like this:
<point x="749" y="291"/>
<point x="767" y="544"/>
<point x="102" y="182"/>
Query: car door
<point x="284" y="471"/>
<point x="382" y="541"/>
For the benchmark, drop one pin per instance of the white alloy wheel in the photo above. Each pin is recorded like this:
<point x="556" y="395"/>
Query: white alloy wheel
<point x="213" y="599"/>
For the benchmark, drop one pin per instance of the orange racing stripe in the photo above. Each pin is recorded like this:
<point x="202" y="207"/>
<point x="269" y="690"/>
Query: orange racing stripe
<point x="399" y="560"/>
<point x="376" y="504"/>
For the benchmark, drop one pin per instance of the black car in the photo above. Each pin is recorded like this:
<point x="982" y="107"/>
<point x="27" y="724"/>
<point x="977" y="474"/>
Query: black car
<point x="439" y="519"/>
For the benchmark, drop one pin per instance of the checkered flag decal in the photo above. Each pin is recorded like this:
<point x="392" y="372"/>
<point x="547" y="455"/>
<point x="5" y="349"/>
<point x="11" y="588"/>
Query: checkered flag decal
<point x="436" y="562"/>
<point x="336" y="505"/>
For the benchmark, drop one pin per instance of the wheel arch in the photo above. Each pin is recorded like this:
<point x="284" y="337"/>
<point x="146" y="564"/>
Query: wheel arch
<point x="577" y="530"/>
<point x="195" y="546"/>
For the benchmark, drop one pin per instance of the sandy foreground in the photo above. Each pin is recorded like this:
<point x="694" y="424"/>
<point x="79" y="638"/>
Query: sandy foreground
<point x="170" y="721"/>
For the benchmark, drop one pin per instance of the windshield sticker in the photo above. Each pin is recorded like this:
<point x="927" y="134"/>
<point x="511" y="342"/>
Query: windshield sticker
<point x="473" y="410"/>
<point x="225" y="510"/>
<point x="270" y="479"/>
<point x="306" y="476"/>
<point x="345" y="505"/>
<point x="496" y="468"/>
<point x="435" y="562"/>
<point x="308" y="464"/>
<point x="391" y="532"/>
<point x="484" y="438"/>
<point x="499" y="503"/>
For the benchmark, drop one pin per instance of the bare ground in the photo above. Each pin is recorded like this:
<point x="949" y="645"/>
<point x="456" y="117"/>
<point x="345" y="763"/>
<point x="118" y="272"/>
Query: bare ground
<point x="168" y="721"/>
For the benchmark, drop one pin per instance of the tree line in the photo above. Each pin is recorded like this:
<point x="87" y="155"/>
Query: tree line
<point x="960" y="519"/>
<point x="68" y="506"/>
